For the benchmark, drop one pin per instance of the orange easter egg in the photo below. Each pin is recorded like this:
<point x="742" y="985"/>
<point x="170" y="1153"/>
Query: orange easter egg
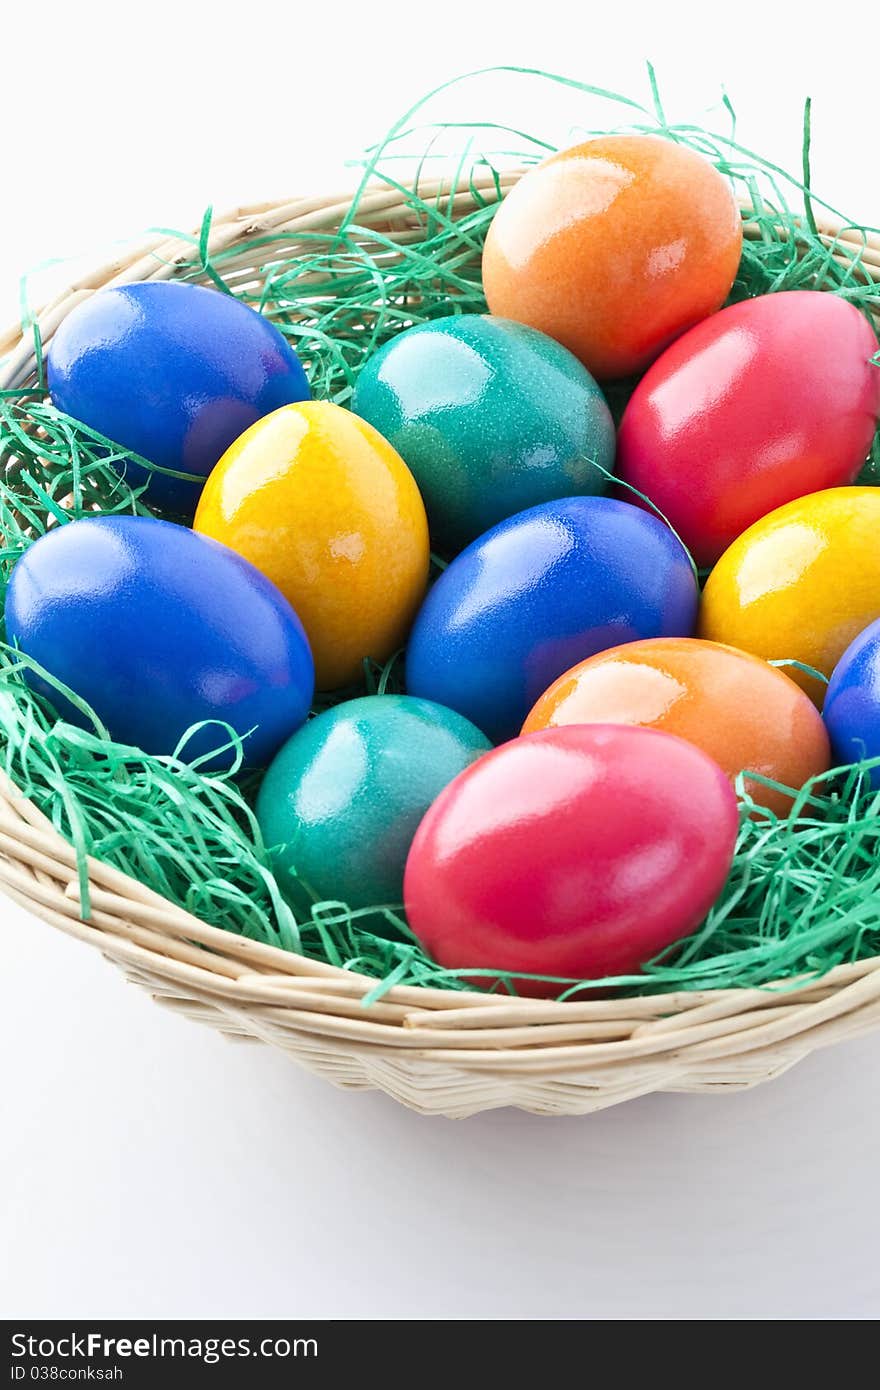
<point x="614" y="248"/>
<point x="746" y="714"/>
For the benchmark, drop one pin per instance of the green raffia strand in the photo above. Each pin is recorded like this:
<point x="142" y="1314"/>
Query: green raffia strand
<point x="803" y="894"/>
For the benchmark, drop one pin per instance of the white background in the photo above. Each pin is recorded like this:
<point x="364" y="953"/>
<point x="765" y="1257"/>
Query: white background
<point x="146" y="1166"/>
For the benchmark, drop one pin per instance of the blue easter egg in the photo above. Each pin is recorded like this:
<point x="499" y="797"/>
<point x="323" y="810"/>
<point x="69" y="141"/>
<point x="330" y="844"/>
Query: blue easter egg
<point x="490" y="416"/>
<point x="172" y="372"/>
<point x="342" y="800"/>
<point x="852" y="702"/>
<point x="538" y="593"/>
<point x="157" y="628"/>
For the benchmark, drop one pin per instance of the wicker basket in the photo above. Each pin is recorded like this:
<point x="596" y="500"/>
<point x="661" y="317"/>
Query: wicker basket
<point x="439" y="1052"/>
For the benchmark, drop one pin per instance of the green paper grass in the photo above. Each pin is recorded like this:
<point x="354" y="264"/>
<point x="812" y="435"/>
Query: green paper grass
<point x="804" y="893"/>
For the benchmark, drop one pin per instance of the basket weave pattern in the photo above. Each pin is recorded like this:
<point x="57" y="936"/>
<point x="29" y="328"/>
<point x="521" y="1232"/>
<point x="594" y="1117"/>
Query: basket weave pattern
<point x="437" y="1051"/>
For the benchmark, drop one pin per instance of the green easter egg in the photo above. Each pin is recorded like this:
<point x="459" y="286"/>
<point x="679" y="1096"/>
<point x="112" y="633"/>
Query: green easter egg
<point x="341" y="801"/>
<point x="490" y="416"/>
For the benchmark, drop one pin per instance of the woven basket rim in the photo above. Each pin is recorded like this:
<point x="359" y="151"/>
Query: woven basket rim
<point x="159" y="256"/>
<point x="518" y="1049"/>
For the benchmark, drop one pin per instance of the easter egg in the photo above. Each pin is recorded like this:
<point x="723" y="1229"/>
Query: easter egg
<point x="158" y="629"/>
<point x="172" y="372"/>
<point x="342" y="800"/>
<point x="322" y="504"/>
<point x="766" y="401"/>
<point x="614" y="247"/>
<point x="539" y="592"/>
<point x="746" y="714"/>
<point x="491" y="417"/>
<point x="577" y="852"/>
<point x="852" y="704"/>
<point x="801" y="583"/>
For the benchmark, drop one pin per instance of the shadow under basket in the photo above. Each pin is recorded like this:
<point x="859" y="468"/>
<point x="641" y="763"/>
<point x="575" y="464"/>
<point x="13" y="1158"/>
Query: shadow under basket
<point x="443" y="1052"/>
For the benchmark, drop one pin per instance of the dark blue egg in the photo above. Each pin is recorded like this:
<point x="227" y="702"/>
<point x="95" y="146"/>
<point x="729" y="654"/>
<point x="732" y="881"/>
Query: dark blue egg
<point x="852" y="702"/>
<point x="174" y="373"/>
<point x="157" y="628"/>
<point x="538" y="593"/>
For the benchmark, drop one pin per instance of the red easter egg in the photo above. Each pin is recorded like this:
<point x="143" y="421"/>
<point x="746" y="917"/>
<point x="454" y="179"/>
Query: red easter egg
<point x="766" y="401"/>
<point x="576" y="852"/>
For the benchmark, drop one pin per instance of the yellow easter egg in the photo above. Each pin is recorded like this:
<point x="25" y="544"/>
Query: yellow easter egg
<point x="326" y="508"/>
<point x="801" y="583"/>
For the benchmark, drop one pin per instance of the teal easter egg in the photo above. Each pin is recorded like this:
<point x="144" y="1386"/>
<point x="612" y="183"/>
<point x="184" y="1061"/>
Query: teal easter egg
<point x="342" y="800"/>
<point x="491" y="417"/>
